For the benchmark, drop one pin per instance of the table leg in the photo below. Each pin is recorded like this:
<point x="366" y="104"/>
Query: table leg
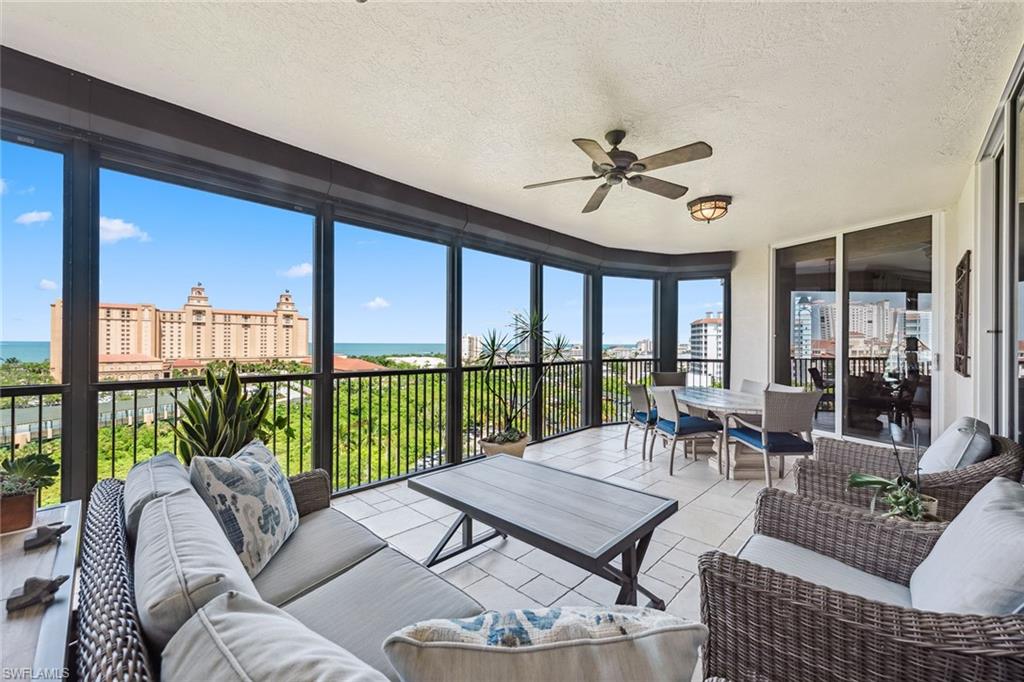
<point x="628" y="579"/>
<point x="466" y="523"/>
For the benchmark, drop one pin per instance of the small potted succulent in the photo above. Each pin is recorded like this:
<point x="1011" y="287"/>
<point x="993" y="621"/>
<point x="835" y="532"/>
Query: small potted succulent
<point x="20" y="480"/>
<point x="902" y="493"/>
<point x="500" y="351"/>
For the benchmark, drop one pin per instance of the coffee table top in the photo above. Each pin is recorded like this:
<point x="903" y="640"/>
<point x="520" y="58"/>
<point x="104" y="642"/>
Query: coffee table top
<point x="555" y="510"/>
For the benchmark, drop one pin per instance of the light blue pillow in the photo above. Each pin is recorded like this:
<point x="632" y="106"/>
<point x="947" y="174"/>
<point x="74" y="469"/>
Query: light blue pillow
<point x="966" y="441"/>
<point x="251" y="499"/>
<point x="977" y="564"/>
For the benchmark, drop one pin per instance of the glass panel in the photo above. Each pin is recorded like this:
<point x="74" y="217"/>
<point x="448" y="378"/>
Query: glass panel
<point x="32" y="215"/>
<point x="628" y="349"/>
<point x="191" y="279"/>
<point x="888" y="274"/>
<point x="389" y="300"/>
<point x="1018" y="311"/>
<point x="805" y="322"/>
<point x="562" y="388"/>
<point x="31" y="269"/>
<point x="701" y="350"/>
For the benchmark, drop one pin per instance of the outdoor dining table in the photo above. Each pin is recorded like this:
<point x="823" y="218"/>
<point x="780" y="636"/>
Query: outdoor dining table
<point x="722" y="404"/>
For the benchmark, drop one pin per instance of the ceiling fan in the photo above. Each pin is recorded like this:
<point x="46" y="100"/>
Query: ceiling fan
<point x="618" y="166"/>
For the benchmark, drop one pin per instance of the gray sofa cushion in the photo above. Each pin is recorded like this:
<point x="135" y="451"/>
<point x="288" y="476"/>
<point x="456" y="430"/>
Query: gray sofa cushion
<point x="148" y="480"/>
<point x="977" y="564"/>
<point x="238" y="637"/>
<point x="571" y="644"/>
<point x="182" y="561"/>
<point x="816" y="568"/>
<point x="384" y="592"/>
<point x="325" y="544"/>
<point x="966" y="441"/>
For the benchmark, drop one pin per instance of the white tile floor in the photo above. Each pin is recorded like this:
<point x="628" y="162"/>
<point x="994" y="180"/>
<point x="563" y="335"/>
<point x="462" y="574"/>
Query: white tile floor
<point x="502" y="574"/>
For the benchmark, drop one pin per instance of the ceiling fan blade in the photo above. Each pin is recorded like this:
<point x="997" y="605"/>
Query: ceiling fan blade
<point x="669" y="190"/>
<point x="596" y="198"/>
<point x="559" y="182"/>
<point x="690" y="152"/>
<point x="595" y="152"/>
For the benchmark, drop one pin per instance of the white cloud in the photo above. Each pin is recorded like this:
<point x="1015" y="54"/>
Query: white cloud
<point x="33" y="217"/>
<point x="114" y="230"/>
<point x="377" y="303"/>
<point x="300" y="270"/>
<point x="47" y="284"/>
<point x="3" y="186"/>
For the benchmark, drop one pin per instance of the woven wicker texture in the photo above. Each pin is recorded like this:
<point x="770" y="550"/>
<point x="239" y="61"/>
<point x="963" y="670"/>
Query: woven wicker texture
<point x="766" y="625"/>
<point x="110" y="644"/>
<point x="826" y="478"/>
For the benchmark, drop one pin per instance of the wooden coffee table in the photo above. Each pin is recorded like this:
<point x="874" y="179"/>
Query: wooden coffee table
<point x="583" y="520"/>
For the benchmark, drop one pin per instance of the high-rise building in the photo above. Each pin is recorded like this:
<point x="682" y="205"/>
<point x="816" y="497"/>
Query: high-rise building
<point x="471" y="346"/>
<point x="139" y="335"/>
<point x="644" y="348"/>
<point x="706" y="338"/>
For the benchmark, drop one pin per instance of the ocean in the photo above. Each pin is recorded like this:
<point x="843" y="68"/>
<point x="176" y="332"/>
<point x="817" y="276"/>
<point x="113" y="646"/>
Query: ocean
<point x="39" y="351"/>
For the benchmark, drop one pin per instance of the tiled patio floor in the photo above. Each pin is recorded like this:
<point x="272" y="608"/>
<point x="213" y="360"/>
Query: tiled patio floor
<point x="504" y="574"/>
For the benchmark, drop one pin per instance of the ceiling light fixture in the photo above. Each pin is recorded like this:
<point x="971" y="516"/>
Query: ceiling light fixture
<point x="706" y="209"/>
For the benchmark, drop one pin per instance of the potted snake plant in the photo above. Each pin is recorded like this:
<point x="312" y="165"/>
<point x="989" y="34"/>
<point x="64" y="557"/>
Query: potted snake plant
<point x="219" y="418"/>
<point x="21" y="479"/>
<point x="512" y="391"/>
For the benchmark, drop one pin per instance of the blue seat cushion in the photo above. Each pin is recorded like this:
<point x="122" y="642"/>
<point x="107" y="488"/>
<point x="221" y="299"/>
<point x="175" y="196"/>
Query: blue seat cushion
<point x="651" y="418"/>
<point x="777" y="441"/>
<point x="688" y="425"/>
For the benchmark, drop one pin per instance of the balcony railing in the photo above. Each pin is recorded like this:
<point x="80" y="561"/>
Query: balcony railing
<point x="31" y="424"/>
<point x="800" y="368"/>
<point x="615" y="375"/>
<point x="562" y="397"/>
<point x="703" y="373"/>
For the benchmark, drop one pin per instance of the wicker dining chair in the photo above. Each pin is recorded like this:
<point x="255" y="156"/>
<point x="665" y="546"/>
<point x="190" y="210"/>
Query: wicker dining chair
<point x="668" y="378"/>
<point x="784" y="429"/>
<point x="825" y="477"/>
<point x="641" y="414"/>
<point x="673" y="426"/>
<point x="768" y="625"/>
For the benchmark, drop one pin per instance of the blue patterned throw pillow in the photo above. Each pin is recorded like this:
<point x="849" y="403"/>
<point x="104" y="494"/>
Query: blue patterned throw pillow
<point x="568" y="644"/>
<point x="251" y="499"/>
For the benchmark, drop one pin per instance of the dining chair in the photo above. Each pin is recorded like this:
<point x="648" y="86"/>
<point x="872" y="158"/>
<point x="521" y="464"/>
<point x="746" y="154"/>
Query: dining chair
<point x="641" y="414"/>
<point x="668" y="378"/>
<point x="785" y="388"/>
<point x="785" y="428"/>
<point x="826" y="386"/>
<point x="674" y="427"/>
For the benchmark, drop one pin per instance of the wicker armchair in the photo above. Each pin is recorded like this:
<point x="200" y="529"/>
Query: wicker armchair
<point x="825" y="477"/>
<point x="767" y="625"/>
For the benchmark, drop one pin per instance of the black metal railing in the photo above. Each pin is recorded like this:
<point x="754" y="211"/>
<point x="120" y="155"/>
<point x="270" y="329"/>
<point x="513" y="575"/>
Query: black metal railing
<point x="800" y="368"/>
<point x="615" y="375"/>
<point x="30" y="423"/>
<point x="562" y="397"/>
<point x="703" y="372"/>
<point x="387" y="424"/>
<point x="135" y="420"/>
<point x="483" y="406"/>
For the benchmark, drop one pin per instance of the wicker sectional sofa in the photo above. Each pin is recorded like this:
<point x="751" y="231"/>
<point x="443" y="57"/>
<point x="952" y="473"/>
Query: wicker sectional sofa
<point x="334" y="576"/>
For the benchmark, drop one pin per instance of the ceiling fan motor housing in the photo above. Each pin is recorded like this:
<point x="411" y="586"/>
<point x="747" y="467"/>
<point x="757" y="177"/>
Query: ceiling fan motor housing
<point x="623" y="160"/>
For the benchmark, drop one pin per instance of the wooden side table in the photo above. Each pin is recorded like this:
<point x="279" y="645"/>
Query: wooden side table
<point x="34" y="641"/>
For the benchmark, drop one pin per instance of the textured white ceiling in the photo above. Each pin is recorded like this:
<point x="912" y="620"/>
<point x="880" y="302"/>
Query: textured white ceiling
<point x="820" y="115"/>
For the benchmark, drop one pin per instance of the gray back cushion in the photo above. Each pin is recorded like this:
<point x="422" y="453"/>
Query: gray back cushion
<point x="977" y="564"/>
<point x="148" y="480"/>
<point x="238" y="637"/>
<point x="966" y="441"/>
<point x="182" y="561"/>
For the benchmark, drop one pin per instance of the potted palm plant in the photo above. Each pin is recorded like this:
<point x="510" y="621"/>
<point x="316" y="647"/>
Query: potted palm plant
<point x="21" y="479"/>
<point x="512" y="393"/>
<point x="219" y="418"/>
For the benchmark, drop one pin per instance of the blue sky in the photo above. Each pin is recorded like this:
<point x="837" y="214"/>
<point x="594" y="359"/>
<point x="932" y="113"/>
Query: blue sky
<point x="159" y="239"/>
<point x="697" y="298"/>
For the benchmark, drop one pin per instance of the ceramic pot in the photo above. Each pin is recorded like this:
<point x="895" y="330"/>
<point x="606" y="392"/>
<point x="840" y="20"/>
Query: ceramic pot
<point x="17" y="512"/>
<point x="515" y="448"/>
<point x="930" y="505"/>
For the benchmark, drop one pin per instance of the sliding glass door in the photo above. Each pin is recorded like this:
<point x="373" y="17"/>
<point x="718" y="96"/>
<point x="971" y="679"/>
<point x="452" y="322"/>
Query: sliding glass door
<point x="888" y="338"/>
<point x="806" y="322"/>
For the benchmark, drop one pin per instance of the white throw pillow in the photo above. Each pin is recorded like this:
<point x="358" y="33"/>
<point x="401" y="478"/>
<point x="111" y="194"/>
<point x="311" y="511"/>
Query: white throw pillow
<point x="597" y="644"/>
<point x="977" y="564"/>
<point x="251" y="499"/>
<point x="238" y="637"/>
<point x="966" y="441"/>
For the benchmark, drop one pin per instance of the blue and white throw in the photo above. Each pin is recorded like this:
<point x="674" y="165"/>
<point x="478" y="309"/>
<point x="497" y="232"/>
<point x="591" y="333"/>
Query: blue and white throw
<point x="251" y="499"/>
<point x="528" y="627"/>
